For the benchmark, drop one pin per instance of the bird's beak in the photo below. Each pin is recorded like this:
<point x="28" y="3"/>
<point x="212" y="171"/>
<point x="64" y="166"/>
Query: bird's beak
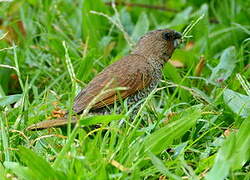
<point x="177" y="39"/>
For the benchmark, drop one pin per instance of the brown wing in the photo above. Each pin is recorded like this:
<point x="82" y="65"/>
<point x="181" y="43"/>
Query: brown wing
<point x="132" y="72"/>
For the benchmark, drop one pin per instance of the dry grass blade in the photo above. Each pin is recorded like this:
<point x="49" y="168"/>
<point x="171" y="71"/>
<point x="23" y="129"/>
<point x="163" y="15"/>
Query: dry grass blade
<point x="7" y="66"/>
<point x="200" y="66"/>
<point x="118" y="165"/>
<point x="3" y="36"/>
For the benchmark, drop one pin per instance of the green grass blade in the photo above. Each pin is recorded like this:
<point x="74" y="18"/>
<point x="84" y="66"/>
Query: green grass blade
<point x="7" y="100"/>
<point x="4" y="138"/>
<point x="141" y="27"/>
<point x="38" y="165"/>
<point x="161" y="167"/>
<point x="103" y="119"/>
<point x="228" y="158"/>
<point x="162" y="138"/>
<point x="238" y="103"/>
<point x="21" y="171"/>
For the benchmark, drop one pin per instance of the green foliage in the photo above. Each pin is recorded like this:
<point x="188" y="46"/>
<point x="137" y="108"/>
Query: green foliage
<point x="159" y="141"/>
<point x="239" y="103"/>
<point x="195" y="125"/>
<point x="226" y="66"/>
<point x="37" y="168"/>
<point x="105" y="119"/>
<point x="7" y="100"/>
<point x="233" y="154"/>
<point x="141" y="27"/>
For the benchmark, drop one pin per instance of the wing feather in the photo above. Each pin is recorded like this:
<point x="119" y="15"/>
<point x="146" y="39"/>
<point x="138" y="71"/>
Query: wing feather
<point x="132" y="72"/>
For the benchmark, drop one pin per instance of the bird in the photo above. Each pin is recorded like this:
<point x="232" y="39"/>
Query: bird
<point x="138" y="73"/>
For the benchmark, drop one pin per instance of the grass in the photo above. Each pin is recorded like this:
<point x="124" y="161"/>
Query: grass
<point x="195" y="125"/>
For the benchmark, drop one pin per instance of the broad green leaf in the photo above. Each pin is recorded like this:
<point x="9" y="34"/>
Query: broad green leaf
<point x="180" y="19"/>
<point x="4" y="139"/>
<point x="172" y="73"/>
<point x="103" y="119"/>
<point x="38" y="165"/>
<point x="179" y="149"/>
<point x="233" y="154"/>
<point x="126" y="20"/>
<point x="105" y="41"/>
<point x="162" y="138"/>
<point x="21" y="171"/>
<point x="7" y="100"/>
<point x="161" y="167"/>
<point x="225" y="67"/>
<point x="242" y="155"/>
<point x="238" y="103"/>
<point x="2" y="172"/>
<point x="222" y="163"/>
<point x="1" y="91"/>
<point x="141" y="27"/>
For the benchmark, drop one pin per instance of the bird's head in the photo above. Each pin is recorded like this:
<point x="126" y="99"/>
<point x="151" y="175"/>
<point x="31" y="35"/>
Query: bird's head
<point x="158" y="44"/>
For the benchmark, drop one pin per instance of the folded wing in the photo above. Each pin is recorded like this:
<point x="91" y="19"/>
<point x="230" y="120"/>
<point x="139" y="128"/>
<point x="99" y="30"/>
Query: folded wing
<point x="134" y="76"/>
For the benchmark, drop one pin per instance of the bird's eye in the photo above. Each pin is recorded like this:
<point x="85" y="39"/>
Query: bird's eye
<point x="166" y="35"/>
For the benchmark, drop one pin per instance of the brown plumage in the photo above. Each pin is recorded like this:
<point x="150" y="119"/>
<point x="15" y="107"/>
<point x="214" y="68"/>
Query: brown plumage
<point x="138" y="73"/>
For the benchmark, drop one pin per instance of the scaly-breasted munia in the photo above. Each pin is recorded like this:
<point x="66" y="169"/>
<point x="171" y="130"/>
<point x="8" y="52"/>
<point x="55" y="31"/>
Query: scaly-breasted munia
<point x="138" y="72"/>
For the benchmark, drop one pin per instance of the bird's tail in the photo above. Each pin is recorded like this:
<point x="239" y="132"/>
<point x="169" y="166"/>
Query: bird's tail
<point x="51" y="123"/>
